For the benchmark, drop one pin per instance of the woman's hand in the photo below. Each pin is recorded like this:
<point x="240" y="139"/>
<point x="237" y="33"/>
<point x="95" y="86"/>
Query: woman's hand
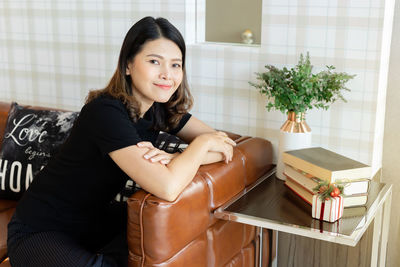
<point x="219" y="142"/>
<point x="156" y="155"/>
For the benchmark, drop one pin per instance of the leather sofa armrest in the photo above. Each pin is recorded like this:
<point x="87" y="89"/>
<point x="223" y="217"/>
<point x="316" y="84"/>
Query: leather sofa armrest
<point x="159" y="229"/>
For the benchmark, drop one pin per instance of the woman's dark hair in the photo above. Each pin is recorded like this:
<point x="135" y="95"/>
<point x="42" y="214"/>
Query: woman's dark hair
<point x="120" y="87"/>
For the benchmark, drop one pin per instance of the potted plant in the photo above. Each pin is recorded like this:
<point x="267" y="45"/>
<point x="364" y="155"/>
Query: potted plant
<point x="294" y="91"/>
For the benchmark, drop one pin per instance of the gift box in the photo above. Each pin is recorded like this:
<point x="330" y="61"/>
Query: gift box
<point x="330" y="209"/>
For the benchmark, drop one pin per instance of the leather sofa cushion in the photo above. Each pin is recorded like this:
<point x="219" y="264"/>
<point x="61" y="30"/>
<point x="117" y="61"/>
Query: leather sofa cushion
<point x="5" y="263"/>
<point x="7" y="204"/>
<point x="245" y="257"/>
<point x="222" y="189"/>
<point x="226" y="239"/>
<point x="164" y="225"/>
<point x="256" y="153"/>
<point x="194" y="255"/>
<point x="7" y="208"/>
<point x="5" y="217"/>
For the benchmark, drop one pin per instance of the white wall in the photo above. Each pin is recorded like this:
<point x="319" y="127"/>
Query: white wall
<point x="391" y="142"/>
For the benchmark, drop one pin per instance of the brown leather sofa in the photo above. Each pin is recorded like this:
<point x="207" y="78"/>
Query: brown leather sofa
<point x="185" y="232"/>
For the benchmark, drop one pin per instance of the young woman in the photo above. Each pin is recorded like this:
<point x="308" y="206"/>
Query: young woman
<point x="65" y="218"/>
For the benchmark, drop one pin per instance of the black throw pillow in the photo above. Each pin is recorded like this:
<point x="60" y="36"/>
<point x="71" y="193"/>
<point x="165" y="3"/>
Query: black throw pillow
<point x="30" y="138"/>
<point x="170" y="143"/>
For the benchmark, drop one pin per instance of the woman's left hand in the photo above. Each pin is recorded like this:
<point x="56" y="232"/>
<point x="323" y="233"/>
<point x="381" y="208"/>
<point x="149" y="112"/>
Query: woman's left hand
<point x="155" y="154"/>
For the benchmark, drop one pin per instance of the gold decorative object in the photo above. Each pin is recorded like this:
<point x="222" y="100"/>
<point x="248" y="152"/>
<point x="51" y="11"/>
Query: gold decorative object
<point x="294" y="134"/>
<point x="247" y="37"/>
<point x="295" y="123"/>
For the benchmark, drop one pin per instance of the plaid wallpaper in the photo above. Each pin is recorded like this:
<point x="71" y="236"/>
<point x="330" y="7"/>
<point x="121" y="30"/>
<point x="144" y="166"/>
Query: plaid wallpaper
<point x="346" y="34"/>
<point x="53" y="52"/>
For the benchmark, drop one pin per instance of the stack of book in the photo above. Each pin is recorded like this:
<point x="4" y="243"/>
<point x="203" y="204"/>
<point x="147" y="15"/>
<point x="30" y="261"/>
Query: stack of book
<point x="304" y="168"/>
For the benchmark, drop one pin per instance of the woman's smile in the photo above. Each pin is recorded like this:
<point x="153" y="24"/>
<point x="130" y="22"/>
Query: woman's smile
<point x="165" y="87"/>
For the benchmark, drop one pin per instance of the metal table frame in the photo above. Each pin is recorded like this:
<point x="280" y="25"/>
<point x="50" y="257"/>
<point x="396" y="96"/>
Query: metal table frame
<point x="378" y="210"/>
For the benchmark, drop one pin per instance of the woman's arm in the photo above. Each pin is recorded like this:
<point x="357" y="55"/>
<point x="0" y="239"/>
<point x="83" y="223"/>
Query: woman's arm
<point x="168" y="181"/>
<point x="193" y="128"/>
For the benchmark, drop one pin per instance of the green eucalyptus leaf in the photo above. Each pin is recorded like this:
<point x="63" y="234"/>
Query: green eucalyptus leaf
<point x="298" y="88"/>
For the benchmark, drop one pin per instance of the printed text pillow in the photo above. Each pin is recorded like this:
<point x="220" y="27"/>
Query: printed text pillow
<point x="30" y="138"/>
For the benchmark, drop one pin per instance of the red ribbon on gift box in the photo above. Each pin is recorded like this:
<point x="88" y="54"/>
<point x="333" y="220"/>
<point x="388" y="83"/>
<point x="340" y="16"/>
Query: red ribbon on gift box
<point x="334" y="208"/>
<point x="321" y="216"/>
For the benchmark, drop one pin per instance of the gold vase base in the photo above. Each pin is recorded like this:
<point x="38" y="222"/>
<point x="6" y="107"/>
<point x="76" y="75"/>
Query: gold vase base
<point x="295" y="123"/>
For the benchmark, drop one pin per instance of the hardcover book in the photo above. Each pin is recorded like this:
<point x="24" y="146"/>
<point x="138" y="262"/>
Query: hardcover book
<point x="351" y="187"/>
<point x="302" y="192"/>
<point x="326" y="165"/>
<point x="355" y="200"/>
<point x="354" y="187"/>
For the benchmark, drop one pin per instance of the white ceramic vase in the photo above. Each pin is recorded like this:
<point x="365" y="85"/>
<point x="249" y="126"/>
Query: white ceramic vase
<point x="294" y="134"/>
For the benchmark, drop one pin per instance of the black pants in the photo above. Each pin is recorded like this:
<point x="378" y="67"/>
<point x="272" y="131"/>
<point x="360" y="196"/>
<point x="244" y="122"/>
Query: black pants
<point x="104" y="246"/>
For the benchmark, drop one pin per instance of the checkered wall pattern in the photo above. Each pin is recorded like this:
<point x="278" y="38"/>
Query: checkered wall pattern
<point x="53" y="52"/>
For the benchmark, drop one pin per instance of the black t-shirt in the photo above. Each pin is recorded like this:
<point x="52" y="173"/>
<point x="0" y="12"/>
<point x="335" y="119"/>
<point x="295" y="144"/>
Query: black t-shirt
<point x="80" y="181"/>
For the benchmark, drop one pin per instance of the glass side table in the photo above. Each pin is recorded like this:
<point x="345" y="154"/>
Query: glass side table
<point x="268" y="203"/>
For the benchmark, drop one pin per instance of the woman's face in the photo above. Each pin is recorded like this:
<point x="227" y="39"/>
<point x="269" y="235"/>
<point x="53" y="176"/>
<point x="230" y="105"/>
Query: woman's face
<point x="156" y="72"/>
